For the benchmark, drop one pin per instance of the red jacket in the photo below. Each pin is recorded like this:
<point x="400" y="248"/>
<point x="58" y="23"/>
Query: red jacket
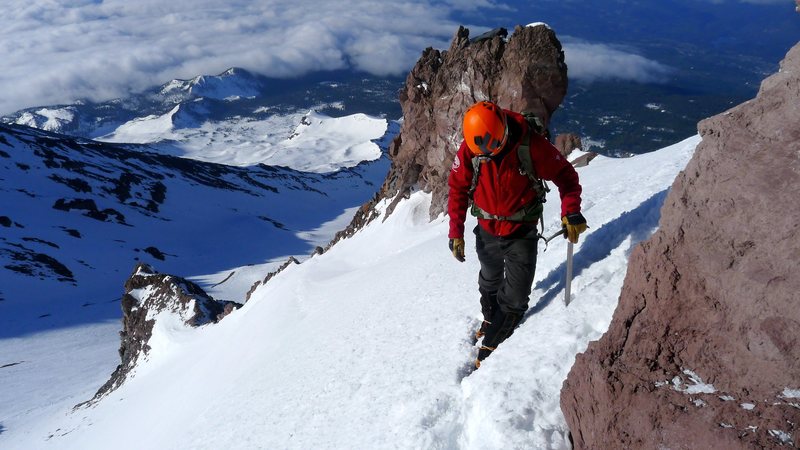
<point x="502" y="190"/>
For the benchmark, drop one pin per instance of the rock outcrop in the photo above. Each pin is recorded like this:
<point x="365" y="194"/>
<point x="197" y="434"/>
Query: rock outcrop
<point x="704" y="348"/>
<point x="290" y="261"/>
<point x="523" y="72"/>
<point x="566" y="143"/>
<point x="150" y="297"/>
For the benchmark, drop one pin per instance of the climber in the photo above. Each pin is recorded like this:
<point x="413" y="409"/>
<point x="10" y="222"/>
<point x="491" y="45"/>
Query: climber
<point x="499" y="168"/>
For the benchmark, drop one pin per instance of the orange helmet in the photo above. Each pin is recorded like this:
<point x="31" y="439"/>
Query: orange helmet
<point x="485" y="128"/>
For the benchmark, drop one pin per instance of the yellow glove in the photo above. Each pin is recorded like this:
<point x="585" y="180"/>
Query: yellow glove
<point x="574" y="224"/>
<point x="457" y="247"/>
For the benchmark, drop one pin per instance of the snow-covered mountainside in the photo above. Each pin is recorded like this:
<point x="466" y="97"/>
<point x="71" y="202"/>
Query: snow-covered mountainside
<point x="365" y="346"/>
<point x="230" y="85"/>
<point x="92" y="120"/>
<point x="238" y="118"/>
<point x="77" y="215"/>
<point x="309" y="142"/>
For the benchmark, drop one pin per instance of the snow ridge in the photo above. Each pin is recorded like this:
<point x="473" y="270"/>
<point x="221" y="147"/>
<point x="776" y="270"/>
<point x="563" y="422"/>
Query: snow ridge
<point x="370" y="343"/>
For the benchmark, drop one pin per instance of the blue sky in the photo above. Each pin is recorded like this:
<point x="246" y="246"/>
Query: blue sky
<point x="60" y="51"/>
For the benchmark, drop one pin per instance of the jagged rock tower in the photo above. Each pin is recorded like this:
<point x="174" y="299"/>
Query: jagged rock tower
<point x="523" y="72"/>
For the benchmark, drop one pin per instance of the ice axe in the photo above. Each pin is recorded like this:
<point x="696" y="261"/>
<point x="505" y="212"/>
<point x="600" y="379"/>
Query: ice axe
<point x="569" y="274"/>
<point x="569" y="262"/>
<point x="548" y="239"/>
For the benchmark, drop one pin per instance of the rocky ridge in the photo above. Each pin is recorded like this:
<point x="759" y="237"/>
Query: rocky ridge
<point x="704" y="348"/>
<point x="524" y="71"/>
<point x="150" y="297"/>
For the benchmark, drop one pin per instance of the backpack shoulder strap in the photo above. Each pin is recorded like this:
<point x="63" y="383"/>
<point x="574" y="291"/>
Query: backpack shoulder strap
<point x="524" y="155"/>
<point x="476" y="169"/>
<point x="527" y="169"/>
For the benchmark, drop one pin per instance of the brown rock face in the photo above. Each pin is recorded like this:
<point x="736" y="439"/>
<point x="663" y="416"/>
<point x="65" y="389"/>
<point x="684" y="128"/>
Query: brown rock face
<point x="524" y="72"/>
<point x="712" y="298"/>
<point x="566" y="143"/>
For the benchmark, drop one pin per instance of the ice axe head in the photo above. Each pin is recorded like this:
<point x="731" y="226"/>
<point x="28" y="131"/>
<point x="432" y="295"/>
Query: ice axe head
<point x="547" y="240"/>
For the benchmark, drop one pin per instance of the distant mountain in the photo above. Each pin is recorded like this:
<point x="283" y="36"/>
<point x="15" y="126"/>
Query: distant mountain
<point x="715" y="55"/>
<point x="236" y="117"/>
<point x="77" y="215"/>
<point x="230" y="85"/>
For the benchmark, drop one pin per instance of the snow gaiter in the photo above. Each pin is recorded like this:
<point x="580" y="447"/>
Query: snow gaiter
<point x="488" y="304"/>
<point x="501" y="327"/>
<point x="488" y="307"/>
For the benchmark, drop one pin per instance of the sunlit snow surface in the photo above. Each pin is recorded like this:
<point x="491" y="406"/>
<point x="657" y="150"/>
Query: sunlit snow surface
<point x="368" y="345"/>
<point x="279" y="140"/>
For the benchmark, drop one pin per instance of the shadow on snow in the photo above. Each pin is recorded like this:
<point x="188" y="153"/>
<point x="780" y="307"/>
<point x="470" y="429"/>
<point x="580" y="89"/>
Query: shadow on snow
<point x="636" y="224"/>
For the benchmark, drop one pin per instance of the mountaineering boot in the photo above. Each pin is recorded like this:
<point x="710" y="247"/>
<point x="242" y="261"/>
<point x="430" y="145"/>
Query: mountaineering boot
<point x="500" y="328"/>
<point x="482" y="330"/>
<point x="488" y="306"/>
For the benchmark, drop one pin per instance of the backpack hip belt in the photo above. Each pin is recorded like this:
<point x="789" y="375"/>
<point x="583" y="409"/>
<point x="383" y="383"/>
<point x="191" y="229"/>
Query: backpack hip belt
<point x="531" y="212"/>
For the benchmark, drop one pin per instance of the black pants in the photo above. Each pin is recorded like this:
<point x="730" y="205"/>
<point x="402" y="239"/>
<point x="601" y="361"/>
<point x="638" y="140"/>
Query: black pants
<point x="508" y="265"/>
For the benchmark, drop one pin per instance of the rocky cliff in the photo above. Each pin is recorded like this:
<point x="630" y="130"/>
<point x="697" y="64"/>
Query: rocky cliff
<point x="704" y="348"/>
<point x="151" y="297"/>
<point x="523" y="72"/>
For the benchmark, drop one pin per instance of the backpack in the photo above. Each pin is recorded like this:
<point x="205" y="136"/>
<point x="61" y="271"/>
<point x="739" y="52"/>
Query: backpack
<point x="532" y="211"/>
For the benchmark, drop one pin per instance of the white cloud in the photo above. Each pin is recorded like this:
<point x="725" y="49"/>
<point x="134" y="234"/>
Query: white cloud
<point x="54" y="51"/>
<point x="590" y="62"/>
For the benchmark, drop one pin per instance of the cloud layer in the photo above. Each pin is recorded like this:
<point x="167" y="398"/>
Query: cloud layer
<point x="595" y="62"/>
<point x="57" y="52"/>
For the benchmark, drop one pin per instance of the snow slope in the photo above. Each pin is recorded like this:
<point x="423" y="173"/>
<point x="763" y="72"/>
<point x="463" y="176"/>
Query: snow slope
<point x="368" y="345"/>
<point x="308" y="142"/>
<point x="77" y="216"/>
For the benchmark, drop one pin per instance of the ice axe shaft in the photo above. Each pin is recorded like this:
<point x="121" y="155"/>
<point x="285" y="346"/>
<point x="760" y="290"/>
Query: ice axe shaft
<point x="568" y="286"/>
<point x="567" y="289"/>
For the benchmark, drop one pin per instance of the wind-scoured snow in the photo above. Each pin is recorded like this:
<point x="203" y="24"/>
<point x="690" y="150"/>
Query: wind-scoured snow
<point x="369" y="345"/>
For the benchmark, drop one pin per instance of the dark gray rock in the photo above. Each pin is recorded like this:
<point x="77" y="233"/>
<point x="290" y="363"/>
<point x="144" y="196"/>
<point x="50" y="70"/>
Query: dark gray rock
<point x="290" y="261"/>
<point x="148" y="294"/>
